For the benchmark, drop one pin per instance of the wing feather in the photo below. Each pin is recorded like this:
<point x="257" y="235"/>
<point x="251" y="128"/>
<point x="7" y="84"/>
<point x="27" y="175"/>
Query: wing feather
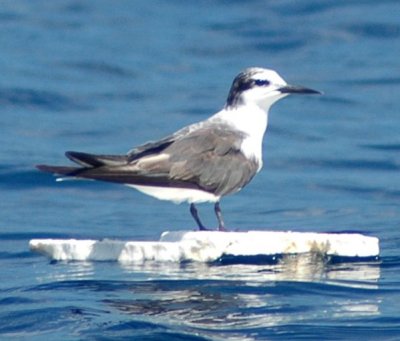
<point x="207" y="158"/>
<point x="211" y="157"/>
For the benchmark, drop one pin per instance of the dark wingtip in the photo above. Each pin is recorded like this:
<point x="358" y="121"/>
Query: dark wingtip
<point x="84" y="159"/>
<point x="43" y="168"/>
<point x="62" y="170"/>
<point x="73" y="155"/>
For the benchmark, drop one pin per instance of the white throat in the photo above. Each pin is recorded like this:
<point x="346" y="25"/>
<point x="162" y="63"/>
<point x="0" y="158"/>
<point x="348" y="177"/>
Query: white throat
<point x="252" y="121"/>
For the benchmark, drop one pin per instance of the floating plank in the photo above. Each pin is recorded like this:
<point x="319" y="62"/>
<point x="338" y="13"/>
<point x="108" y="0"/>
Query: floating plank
<point x="209" y="246"/>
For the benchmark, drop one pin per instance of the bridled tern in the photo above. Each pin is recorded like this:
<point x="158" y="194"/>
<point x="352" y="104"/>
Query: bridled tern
<point x="201" y="162"/>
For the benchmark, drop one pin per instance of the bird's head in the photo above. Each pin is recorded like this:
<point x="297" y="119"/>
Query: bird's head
<point x="262" y="87"/>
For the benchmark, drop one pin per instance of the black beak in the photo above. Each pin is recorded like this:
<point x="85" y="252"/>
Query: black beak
<point x="296" y="89"/>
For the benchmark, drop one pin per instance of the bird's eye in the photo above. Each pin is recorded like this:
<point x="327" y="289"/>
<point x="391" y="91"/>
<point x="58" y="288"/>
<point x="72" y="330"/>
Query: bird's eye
<point x="262" y="82"/>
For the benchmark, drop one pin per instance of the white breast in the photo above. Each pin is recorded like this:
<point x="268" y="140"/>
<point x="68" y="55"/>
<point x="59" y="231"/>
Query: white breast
<point x="177" y="195"/>
<point x="252" y="121"/>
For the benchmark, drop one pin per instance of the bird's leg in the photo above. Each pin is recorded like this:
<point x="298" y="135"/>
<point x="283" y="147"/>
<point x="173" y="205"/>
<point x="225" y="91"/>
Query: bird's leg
<point x="218" y="213"/>
<point x="195" y="215"/>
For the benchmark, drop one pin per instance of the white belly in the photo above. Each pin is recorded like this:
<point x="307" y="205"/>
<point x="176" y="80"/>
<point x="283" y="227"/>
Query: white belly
<point x="177" y="195"/>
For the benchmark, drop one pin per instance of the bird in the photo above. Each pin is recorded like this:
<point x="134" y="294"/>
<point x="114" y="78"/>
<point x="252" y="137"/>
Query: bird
<point x="202" y="162"/>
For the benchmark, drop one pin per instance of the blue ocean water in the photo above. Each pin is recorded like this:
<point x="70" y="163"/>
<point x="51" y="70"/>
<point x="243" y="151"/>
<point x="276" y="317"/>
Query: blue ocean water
<point x="104" y="76"/>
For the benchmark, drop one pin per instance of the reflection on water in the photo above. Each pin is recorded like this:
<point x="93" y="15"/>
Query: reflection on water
<point x="303" y="267"/>
<point x="226" y="301"/>
<point x="72" y="271"/>
<point x="210" y="299"/>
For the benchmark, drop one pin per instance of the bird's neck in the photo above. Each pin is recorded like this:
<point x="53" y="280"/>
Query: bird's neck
<point x="249" y="119"/>
<point x="252" y="121"/>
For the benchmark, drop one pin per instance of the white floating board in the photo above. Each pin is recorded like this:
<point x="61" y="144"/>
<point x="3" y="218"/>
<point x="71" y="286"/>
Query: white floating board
<point x="209" y="246"/>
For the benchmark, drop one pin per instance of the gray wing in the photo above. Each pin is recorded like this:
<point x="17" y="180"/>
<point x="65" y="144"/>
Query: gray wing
<point x="207" y="158"/>
<point x="150" y="148"/>
<point x="211" y="157"/>
<point x="155" y="147"/>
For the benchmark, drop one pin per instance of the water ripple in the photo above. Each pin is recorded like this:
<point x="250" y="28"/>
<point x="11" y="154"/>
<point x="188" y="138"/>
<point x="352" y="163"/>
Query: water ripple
<point x="43" y="99"/>
<point x="375" y="30"/>
<point x="374" y="165"/>
<point x="102" y="68"/>
<point x="374" y="191"/>
<point x="387" y="147"/>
